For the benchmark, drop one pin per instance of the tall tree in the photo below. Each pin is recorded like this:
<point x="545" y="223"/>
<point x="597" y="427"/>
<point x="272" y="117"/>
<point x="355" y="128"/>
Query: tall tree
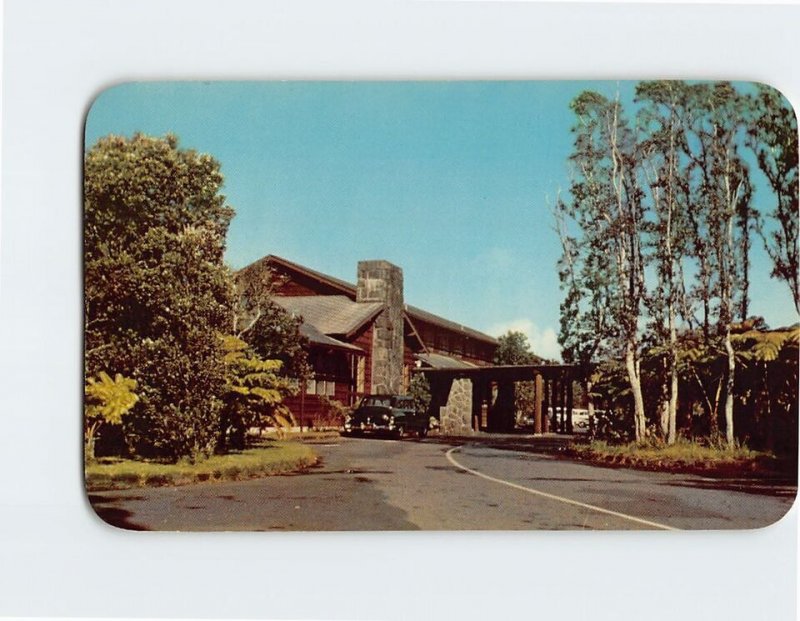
<point x="584" y="327"/>
<point x="607" y="211"/>
<point x="773" y="138"/>
<point x="661" y="118"/>
<point x="156" y="291"/>
<point x="724" y="191"/>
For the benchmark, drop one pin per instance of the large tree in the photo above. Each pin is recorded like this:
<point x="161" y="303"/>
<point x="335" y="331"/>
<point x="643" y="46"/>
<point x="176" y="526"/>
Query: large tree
<point x="773" y="138"/>
<point x="665" y="171"/>
<point x="724" y="191"/>
<point x="157" y="294"/>
<point x="606" y="210"/>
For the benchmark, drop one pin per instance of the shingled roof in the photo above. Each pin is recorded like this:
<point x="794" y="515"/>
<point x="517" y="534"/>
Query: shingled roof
<point x="318" y="338"/>
<point x="349" y="290"/>
<point x="330" y="314"/>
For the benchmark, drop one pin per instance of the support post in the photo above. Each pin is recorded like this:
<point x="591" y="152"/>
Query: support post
<point x="570" y="403"/>
<point x="546" y="406"/>
<point x="537" y="411"/>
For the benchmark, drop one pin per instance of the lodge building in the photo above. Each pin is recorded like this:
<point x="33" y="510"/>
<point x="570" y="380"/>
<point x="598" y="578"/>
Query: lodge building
<point x="363" y="338"/>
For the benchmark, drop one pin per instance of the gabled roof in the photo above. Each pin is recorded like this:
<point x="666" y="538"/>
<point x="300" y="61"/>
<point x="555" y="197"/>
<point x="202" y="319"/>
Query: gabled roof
<point x="330" y="314"/>
<point x="349" y="290"/>
<point x="318" y="338"/>
<point x="422" y="315"/>
<point x="346" y="288"/>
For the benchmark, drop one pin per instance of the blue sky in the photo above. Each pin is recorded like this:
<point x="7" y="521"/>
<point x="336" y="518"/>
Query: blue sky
<point x="452" y="181"/>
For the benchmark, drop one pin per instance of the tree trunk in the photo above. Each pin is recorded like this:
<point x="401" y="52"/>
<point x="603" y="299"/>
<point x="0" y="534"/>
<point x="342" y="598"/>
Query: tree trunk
<point x="636" y="388"/>
<point x="672" y="413"/>
<point x="729" y="390"/>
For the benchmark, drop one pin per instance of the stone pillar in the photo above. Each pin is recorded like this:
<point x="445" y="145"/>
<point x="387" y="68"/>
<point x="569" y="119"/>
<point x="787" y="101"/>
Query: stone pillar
<point x="380" y="281"/>
<point x="456" y="417"/>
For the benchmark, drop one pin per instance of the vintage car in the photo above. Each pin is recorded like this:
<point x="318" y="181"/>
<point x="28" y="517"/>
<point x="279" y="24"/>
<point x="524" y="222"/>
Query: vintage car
<point x="392" y="415"/>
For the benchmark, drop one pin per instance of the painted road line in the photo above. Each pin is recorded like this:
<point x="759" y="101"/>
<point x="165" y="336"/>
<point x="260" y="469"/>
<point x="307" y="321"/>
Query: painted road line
<point x="568" y="501"/>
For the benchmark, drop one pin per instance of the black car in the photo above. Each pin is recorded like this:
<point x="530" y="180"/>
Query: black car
<point x="388" y="415"/>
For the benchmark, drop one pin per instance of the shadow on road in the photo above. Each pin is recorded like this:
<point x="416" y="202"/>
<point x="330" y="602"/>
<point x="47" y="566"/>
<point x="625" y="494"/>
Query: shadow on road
<point x="110" y="514"/>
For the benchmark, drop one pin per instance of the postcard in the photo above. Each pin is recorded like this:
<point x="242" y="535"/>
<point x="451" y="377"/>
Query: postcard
<point x="443" y="305"/>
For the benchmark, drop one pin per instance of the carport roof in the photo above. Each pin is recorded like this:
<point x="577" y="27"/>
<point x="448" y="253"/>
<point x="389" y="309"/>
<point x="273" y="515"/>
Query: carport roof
<point x="439" y="361"/>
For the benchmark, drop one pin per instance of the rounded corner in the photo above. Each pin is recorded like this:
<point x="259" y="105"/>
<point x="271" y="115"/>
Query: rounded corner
<point x="106" y="513"/>
<point x="781" y="95"/>
<point x="97" y="96"/>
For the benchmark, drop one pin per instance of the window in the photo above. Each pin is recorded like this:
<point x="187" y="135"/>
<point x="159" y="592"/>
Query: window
<point x="311" y="387"/>
<point x="361" y="375"/>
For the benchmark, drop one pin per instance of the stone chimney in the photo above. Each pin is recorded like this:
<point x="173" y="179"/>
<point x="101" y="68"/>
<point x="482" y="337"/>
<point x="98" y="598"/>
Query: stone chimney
<point x="380" y="281"/>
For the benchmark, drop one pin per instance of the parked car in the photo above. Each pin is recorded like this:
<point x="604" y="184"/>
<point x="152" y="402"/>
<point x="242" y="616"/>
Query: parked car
<point x="393" y="415"/>
<point x="580" y="420"/>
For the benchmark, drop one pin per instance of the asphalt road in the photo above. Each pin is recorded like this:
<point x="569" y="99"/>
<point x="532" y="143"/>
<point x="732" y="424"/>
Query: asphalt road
<point x="374" y="484"/>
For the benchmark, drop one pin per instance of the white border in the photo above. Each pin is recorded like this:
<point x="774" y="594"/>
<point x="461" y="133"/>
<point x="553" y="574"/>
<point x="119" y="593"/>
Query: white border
<point x="58" y="560"/>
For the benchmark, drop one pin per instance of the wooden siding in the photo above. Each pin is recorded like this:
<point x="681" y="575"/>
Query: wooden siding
<point x="452" y="343"/>
<point x="363" y="340"/>
<point x="290" y="283"/>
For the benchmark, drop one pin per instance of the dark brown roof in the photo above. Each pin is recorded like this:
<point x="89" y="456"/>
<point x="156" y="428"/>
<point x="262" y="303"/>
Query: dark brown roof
<point x="350" y="291"/>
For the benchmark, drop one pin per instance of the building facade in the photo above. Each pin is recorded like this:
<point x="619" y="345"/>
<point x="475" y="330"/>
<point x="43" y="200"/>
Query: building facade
<point x="363" y="337"/>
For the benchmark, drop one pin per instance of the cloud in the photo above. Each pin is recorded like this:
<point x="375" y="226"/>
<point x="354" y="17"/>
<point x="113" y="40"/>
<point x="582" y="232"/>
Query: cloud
<point x="544" y="342"/>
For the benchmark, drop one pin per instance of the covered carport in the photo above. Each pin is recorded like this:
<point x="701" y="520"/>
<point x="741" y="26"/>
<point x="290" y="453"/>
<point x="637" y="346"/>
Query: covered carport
<point x="471" y="399"/>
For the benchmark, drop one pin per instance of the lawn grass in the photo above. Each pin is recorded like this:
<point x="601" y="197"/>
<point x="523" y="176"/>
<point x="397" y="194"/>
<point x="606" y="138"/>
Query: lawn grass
<point x="268" y="458"/>
<point x="683" y="456"/>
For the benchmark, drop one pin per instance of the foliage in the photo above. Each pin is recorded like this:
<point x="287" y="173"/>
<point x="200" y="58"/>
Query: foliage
<point x="765" y="397"/>
<point x="773" y="138"/>
<point x="272" y="457"/>
<point x="106" y="401"/>
<point x="681" y="456"/>
<point x="156" y="290"/>
<point x="333" y="412"/>
<point x="676" y="196"/>
<point x="420" y="389"/>
<point x="513" y="348"/>
<point x="269" y="329"/>
<point x="604" y="258"/>
<point x="253" y="394"/>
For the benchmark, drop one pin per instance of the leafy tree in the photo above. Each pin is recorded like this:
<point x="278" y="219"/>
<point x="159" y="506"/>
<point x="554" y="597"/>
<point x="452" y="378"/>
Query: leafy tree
<point x="513" y="348"/>
<point x="724" y="190"/>
<point x="662" y="119"/>
<point x="606" y="209"/>
<point x="268" y="328"/>
<point x="156" y="290"/>
<point x="773" y="138"/>
<point x="253" y="394"/>
<point x="106" y="401"/>
<point x="419" y="387"/>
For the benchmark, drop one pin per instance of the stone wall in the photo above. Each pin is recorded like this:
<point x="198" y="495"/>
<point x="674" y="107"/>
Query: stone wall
<point x="381" y="281"/>
<point x="455" y="418"/>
